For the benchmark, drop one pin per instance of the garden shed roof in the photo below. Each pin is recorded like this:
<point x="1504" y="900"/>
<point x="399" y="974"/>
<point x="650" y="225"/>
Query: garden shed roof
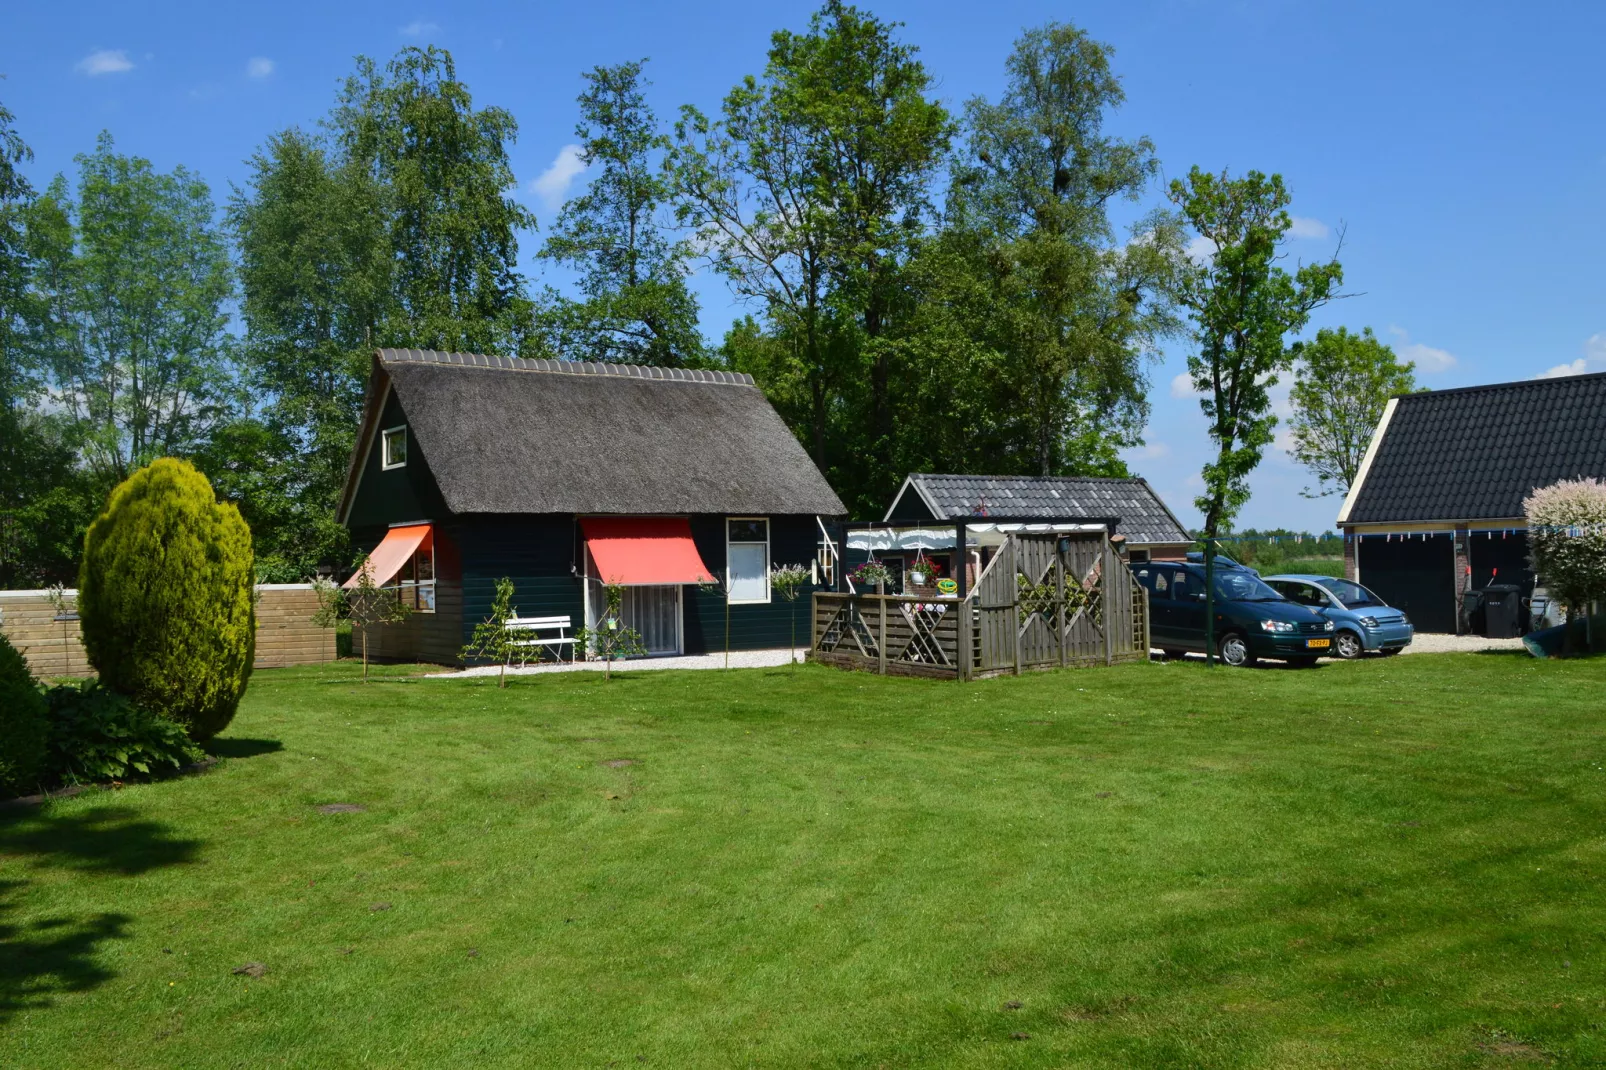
<point x="510" y="435"/>
<point x="1476" y="452"/>
<point x="1132" y="504"/>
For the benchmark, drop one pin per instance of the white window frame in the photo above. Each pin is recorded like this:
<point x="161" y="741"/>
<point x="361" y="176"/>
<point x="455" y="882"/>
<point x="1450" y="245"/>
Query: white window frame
<point x="385" y="463"/>
<point x="767" y="593"/>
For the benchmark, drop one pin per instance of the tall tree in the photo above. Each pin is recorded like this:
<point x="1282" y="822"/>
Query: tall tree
<point x="393" y="227"/>
<point x="445" y="175"/>
<point x="136" y="277"/>
<point x="808" y="195"/>
<point x="1073" y="310"/>
<point x="1243" y="306"/>
<point x="1341" y="385"/>
<point x="637" y="308"/>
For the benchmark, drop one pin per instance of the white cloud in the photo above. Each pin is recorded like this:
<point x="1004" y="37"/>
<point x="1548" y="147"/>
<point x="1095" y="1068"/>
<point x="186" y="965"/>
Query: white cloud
<point x="1307" y="228"/>
<point x="1427" y="359"/>
<point x="1152" y="451"/>
<point x="1201" y="249"/>
<point x="553" y="185"/>
<point x="1577" y="367"/>
<point x="106" y="61"/>
<point x="1182" y="386"/>
<point x="419" y="28"/>
<point x="258" y="67"/>
<point x="1593" y="360"/>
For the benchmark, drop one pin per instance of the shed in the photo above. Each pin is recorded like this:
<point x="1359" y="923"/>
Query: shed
<point x="1436" y="507"/>
<point x="564" y="476"/>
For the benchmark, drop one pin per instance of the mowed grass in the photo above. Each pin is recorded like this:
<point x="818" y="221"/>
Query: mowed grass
<point x="1391" y="863"/>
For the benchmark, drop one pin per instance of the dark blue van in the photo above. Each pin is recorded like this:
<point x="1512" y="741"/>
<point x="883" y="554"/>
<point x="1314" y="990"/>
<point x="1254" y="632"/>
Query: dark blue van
<point x="1252" y="620"/>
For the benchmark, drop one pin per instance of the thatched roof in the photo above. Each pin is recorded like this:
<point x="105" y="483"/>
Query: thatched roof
<point x="507" y="435"/>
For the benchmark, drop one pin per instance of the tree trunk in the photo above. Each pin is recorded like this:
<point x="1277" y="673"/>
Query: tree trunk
<point x="365" y="655"/>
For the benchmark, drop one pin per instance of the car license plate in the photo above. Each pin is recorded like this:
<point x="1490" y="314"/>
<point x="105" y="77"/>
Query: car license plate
<point x="1317" y="644"/>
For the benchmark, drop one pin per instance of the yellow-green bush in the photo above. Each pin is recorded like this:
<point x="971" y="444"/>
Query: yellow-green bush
<point x="166" y="600"/>
<point x="22" y="724"/>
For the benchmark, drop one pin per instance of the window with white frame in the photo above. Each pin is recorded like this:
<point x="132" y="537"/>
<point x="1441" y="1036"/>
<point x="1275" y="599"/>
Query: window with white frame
<point x="394" y="446"/>
<point x="747" y="559"/>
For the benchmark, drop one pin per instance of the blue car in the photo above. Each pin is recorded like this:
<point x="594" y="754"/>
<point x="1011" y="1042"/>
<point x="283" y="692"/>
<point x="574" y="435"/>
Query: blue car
<point x="1364" y="623"/>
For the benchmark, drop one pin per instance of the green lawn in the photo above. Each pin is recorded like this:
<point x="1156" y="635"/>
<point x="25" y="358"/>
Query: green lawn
<point x="1392" y="863"/>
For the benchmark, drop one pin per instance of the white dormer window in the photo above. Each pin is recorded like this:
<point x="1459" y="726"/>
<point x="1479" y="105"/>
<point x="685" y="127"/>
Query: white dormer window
<point x="394" y="445"/>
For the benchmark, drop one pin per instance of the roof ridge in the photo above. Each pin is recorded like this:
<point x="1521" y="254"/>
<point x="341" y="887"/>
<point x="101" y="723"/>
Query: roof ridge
<point x="966" y="475"/>
<point x="562" y="367"/>
<point x="1535" y="382"/>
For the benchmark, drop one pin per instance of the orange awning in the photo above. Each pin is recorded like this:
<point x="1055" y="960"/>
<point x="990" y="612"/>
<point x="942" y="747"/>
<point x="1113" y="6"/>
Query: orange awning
<point x="395" y="550"/>
<point x="643" y="550"/>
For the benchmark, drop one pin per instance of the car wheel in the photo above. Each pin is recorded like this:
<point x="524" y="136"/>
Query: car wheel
<point x="1348" y="645"/>
<point x="1234" y="650"/>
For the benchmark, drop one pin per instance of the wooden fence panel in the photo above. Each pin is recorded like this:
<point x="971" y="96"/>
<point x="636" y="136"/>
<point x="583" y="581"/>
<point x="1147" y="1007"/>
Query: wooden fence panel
<point x="52" y="644"/>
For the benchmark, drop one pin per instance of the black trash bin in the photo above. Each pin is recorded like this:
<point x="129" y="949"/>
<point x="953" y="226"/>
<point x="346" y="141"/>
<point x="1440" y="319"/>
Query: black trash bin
<point x="1471" y="620"/>
<point x="1502" y="611"/>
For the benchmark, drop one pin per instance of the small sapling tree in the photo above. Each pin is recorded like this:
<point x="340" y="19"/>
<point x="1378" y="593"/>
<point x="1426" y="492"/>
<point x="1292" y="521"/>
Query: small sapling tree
<point x="1567" y="537"/>
<point x="610" y="639"/>
<point x="787" y="581"/>
<point x="365" y="605"/>
<point x="491" y="638"/>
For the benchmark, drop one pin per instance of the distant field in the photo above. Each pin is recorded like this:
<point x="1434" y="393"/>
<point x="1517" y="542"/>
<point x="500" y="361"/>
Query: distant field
<point x="1394" y="862"/>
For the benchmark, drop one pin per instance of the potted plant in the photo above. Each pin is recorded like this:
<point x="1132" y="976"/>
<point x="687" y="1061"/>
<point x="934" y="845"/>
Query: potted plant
<point x="872" y="574"/>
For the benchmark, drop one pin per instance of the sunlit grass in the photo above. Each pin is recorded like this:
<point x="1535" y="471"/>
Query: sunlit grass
<point x="1396" y="862"/>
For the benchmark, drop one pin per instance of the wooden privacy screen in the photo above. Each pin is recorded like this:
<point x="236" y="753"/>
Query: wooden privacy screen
<point x="50" y="642"/>
<point x="1045" y="601"/>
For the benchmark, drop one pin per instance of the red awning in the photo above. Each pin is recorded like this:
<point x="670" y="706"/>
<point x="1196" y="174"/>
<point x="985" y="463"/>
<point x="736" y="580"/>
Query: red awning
<point x="643" y="550"/>
<point x="395" y="550"/>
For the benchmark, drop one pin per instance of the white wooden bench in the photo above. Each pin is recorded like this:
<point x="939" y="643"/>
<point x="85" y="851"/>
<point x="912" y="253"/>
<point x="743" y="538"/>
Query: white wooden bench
<point x="534" y="627"/>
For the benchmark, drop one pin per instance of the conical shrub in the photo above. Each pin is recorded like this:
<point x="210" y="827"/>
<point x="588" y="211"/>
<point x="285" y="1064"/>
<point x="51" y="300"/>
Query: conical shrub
<point x="165" y="597"/>
<point x="22" y="724"/>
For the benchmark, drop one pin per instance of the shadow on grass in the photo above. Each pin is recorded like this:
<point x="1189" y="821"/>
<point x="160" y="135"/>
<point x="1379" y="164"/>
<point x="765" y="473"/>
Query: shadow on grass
<point x="56" y="954"/>
<point x="242" y="748"/>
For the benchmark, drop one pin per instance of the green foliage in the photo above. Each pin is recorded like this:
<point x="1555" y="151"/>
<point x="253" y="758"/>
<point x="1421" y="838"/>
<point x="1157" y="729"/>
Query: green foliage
<point x="1567" y="538"/>
<point x="491" y="640"/>
<point x="1341" y="386"/>
<point x="135" y="276"/>
<point x="22" y="724"/>
<point x="1243" y="306"/>
<point x="788" y="581"/>
<point x="97" y="734"/>
<point x="442" y="182"/>
<point x="611" y="639"/>
<point x="166" y="600"/>
<point x="1043" y="279"/>
<point x="637" y="308"/>
<point x="358" y="608"/>
<point x="807" y="193"/>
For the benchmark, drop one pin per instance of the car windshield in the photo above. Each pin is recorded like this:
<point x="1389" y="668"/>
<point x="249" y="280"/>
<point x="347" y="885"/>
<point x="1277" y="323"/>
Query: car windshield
<point x="1353" y="595"/>
<point x="1235" y="586"/>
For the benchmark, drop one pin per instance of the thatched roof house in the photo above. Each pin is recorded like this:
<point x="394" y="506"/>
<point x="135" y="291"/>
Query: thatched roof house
<point x="563" y="475"/>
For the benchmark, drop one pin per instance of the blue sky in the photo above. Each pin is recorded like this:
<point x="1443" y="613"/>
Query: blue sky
<point x="1463" y="147"/>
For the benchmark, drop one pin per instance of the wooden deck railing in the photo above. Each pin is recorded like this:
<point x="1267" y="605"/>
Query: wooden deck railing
<point x="1044" y="602"/>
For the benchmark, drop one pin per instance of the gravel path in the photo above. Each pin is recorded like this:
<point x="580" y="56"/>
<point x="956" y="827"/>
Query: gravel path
<point x="1432" y="643"/>
<point x="740" y="659"/>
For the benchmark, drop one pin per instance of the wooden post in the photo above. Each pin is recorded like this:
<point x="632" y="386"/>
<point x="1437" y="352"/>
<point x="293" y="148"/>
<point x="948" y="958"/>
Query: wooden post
<point x="1106" y="578"/>
<point x="966" y="630"/>
<point x="961" y="559"/>
<point x="881" y="633"/>
<point x="1059" y="604"/>
<point x="1014" y="595"/>
<point x="814" y="622"/>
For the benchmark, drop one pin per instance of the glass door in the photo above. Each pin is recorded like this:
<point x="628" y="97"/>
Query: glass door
<point x="653" y="611"/>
